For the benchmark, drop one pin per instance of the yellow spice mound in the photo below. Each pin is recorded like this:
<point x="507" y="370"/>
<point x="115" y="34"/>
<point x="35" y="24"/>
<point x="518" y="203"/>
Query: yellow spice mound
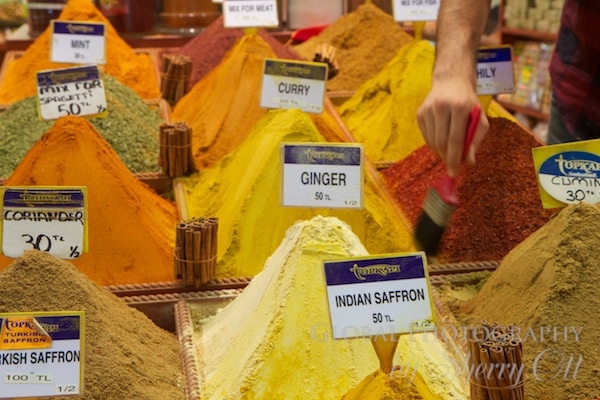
<point x="382" y="115"/>
<point x="382" y="386"/>
<point x="242" y="190"/>
<point x="134" y="70"/>
<point x="273" y="341"/>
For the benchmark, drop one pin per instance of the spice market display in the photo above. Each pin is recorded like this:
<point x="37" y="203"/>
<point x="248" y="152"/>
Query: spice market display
<point x="275" y="339"/>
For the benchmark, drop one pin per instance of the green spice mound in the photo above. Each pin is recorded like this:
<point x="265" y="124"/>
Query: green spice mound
<point x="125" y="355"/>
<point x="131" y="128"/>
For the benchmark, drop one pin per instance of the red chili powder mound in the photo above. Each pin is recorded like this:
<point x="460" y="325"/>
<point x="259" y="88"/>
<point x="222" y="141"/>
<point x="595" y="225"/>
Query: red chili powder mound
<point x="499" y="199"/>
<point x="208" y="48"/>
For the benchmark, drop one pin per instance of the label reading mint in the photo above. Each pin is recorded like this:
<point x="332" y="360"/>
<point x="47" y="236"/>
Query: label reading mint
<point x="70" y="91"/>
<point x="294" y="84"/>
<point x="375" y="296"/>
<point x="45" y="219"/>
<point x="41" y="354"/>
<point x="78" y="42"/>
<point x="415" y="10"/>
<point x="316" y="175"/>
<point x="250" y="13"/>
<point x="495" y="72"/>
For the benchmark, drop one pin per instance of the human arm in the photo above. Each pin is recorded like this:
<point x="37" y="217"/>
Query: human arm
<point x="443" y="115"/>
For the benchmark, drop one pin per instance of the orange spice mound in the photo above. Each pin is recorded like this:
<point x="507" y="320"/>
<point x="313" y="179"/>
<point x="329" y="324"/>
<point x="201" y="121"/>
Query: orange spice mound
<point x="134" y="70"/>
<point x="131" y="228"/>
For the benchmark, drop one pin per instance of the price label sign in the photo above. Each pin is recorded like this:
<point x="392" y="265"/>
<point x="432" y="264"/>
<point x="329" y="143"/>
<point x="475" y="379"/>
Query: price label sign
<point x="250" y="13"/>
<point x="294" y="84"/>
<point x="78" y="42"/>
<point x="415" y="10"/>
<point x="319" y="175"/>
<point x="380" y="295"/>
<point x="52" y="220"/>
<point x="568" y="173"/>
<point x="41" y="354"/>
<point x="495" y="72"/>
<point x="70" y="91"/>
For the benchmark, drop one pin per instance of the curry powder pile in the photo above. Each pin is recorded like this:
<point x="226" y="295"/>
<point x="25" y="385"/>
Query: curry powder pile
<point x="136" y="70"/>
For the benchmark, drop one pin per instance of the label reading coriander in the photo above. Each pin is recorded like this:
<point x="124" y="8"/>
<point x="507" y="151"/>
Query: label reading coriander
<point x="78" y="42"/>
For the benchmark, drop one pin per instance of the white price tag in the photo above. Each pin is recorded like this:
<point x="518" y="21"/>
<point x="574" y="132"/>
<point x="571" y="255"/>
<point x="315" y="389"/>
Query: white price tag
<point x="250" y="13"/>
<point x="41" y="354"/>
<point x="415" y="10"/>
<point x="78" y="42"/>
<point x="379" y="295"/>
<point x="46" y="219"/>
<point x="318" y="175"/>
<point x="495" y="72"/>
<point x="293" y="84"/>
<point x="70" y="91"/>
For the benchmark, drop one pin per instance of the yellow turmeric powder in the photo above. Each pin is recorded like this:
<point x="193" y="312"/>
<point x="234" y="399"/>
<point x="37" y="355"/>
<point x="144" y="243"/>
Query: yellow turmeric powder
<point x="382" y="115"/>
<point x="380" y="386"/>
<point x="132" y="229"/>
<point x="134" y="70"/>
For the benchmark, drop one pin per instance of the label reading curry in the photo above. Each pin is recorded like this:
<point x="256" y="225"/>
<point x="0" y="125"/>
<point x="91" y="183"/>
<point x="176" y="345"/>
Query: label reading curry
<point x="78" y="42"/>
<point x="322" y="175"/>
<point x="41" y="354"/>
<point x="568" y="173"/>
<point x="50" y="219"/>
<point x="294" y="84"/>
<point x="379" y="296"/>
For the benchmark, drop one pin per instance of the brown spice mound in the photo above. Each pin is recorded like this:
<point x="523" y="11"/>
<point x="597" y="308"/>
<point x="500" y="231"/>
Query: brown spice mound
<point x="126" y="355"/>
<point x="365" y="40"/>
<point x="499" y="199"/>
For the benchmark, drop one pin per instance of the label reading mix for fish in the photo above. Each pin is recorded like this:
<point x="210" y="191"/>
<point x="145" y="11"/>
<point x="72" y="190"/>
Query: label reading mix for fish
<point x="250" y="13"/>
<point x="380" y="295"/>
<point x="294" y="84"/>
<point x="78" y="42"/>
<point x="495" y="72"/>
<point x="70" y="91"/>
<point x="415" y="10"/>
<point x="41" y="354"/>
<point x="52" y="220"/>
<point x="318" y="175"/>
<point x="568" y="173"/>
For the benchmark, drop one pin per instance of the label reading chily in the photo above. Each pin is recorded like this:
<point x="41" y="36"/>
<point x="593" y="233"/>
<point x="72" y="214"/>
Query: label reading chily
<point x="78" y="42"/>
<point x="495" y="72"/>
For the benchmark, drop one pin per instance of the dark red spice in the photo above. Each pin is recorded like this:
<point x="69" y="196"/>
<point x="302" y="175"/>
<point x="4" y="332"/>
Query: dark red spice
<point x="208" y="48"/>
<point x="499" y="199"/>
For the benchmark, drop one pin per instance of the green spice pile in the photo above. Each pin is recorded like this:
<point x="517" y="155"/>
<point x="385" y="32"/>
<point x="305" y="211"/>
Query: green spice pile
<point x="131" y="128"/>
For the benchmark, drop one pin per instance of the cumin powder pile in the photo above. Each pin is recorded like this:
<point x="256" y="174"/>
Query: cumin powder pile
<point x="126" y="356"/>
<point x="131" y="228"/>
<point x="136" y="70"/>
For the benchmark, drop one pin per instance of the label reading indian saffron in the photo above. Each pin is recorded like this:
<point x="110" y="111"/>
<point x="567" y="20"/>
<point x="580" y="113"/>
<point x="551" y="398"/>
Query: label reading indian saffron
<point x="322" y="175"/>
<point x="380" y="295"/>
<point x="70" y="91"/>
<point x="78" y="42"/>
<point x="415" y="10"/>
<point x="41" y="354"/>
<point x="495" y="72"/>
<point x="250" y="13"/>
<point x="51" y="219"/>
<point x="293" y="84"/>
<point x="568" y="173"/>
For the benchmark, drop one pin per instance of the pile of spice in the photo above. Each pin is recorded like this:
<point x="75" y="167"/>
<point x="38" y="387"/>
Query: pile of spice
<point x="379" y="385"/>
<point x="365" y="41"/>
<point x="499" y="202"/>
<point x="223" y="107"/>
<point x="131" y="128"/>
<point x="382" y="114"/>
<point x="126" y="356"/>
<point x="547" y="287"/>
<point x="131" y="228"/>
<point x="135" y="70"/>
<point x="243" y="191"/>
<point x="209" y="47"/>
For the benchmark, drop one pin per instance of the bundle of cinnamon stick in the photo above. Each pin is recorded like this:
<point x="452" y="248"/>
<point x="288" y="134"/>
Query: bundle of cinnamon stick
<point x="495" y="363"/>
<point x="175" y="155"/>
<point x="196" y="251"/>
<point x="176" y="71"/>
<point x="325" y="53"/>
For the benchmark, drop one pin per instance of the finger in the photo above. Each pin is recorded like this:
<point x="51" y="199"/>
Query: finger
<point x="482" y="129"/>
<point x="456" y="143"/>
